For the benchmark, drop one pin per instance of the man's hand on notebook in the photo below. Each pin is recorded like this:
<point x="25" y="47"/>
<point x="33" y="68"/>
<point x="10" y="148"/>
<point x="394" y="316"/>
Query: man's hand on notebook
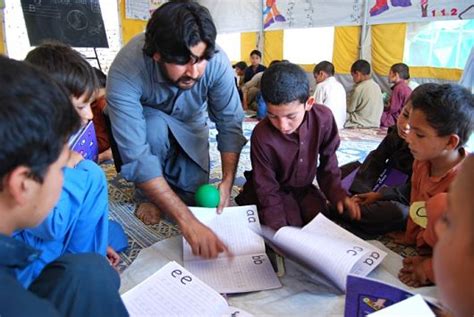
<point x="203" y="241"/>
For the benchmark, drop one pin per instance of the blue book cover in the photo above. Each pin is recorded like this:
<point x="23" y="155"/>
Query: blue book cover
<point x="365" y="296"/>
<point x="85" y="143"/>
<point x="390" y="177"/>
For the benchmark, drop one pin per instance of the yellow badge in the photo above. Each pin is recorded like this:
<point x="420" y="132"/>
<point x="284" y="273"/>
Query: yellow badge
<point x="418" y="213"/>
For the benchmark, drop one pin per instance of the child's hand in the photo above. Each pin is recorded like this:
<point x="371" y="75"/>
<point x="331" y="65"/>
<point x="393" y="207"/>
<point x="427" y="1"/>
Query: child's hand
<point x="351" y="206"/>
<point x="367" y="198"/>
<point x="113" y="257"/>
<point x="74" y="159"/>
<point x="105" y="156"/>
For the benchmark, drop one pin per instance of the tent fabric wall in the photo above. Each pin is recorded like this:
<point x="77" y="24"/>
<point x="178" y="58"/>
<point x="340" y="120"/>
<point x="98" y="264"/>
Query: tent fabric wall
<point x="2" y="37"/>
<point x="346" y="48"/>
<point x="272" y="43"/>
<point x="449" y="74"/>
<point x="387" y="46"/>
<point x="273" y="46"/>
<point x="388" y="41"/>
<point x="2" y="41"/>
<point x="248" y="42"/>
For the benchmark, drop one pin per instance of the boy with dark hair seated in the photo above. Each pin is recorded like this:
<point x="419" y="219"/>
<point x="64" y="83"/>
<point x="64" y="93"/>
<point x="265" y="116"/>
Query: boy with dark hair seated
<point x="391" y="154"/>
<point x="365" y="104"/>
<point x="36" y="118"/>
<point x="398" y="75"/>
<point x="330" y="92"/>
<point x="285" y="149"/>
<point x="386" y="170"/>
<point x="255" y="67"/>
<point x="79" y="221"/>
<point x="441" y="121"/>
<point x="100" y="126"/>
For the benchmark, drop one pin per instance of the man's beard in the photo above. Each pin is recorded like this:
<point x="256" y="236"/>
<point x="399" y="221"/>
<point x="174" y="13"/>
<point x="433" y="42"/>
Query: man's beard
<point x="183" y="82"/>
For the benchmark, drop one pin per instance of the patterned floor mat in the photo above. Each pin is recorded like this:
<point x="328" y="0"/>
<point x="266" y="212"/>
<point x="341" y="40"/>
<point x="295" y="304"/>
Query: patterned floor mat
<point x="355" y="145"/>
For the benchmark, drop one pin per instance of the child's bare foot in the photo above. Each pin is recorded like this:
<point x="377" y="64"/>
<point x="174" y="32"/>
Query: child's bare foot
<point x="398" y="237"/>
<point x="105" y="156"/>
<point x="113" y="257"/>
<point x="148" y="213"/>
<point x="413" y="272"/>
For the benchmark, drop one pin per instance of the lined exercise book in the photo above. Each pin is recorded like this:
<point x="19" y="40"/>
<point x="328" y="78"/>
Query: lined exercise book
<point x="249" y="269"/>
<point x="174" y="291"/>
<point x="327" y="248"/>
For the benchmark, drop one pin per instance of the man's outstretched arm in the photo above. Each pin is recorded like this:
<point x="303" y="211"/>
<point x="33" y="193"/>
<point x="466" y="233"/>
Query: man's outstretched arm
<point x="229" y="167"/>
<point x="202" y="240"/>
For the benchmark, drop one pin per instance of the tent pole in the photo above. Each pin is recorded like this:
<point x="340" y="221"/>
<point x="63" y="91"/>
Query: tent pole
<point x="363" y="34"/>
<point x="260" y="40"/>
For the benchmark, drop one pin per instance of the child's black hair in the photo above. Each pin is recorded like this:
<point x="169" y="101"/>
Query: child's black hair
<point x="449" y="109"/>
<point x="256" y="52"/>
<point x="402" y="70"/>
<point x="283" y="83"/>
<point x="66" y="66"/>
<point x="361" y="66"/>
<point x="324" y="66"/>
<point x="36" y="118"/>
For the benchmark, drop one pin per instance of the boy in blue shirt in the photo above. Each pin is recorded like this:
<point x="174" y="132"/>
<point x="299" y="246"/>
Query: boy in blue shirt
<point x="79" y="221"/>
<point x="36" y="118"/>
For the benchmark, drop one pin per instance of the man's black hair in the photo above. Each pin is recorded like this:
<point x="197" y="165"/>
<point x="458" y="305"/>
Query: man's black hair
<point x="361" y="66"/>
<point x="449" y="108"/>
<point x="66" y="66"/>
<point x="402" y="70"/>
<point x="324" y="66"/>
<point x="36" y="118"/>
<point x="283" y="83"/>
<point x="177" y="26"/>
<point x="256" y="52"/>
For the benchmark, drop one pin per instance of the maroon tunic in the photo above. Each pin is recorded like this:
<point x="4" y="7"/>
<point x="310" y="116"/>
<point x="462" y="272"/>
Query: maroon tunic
<point x="400" y="94"/>
<point x="284" y="167"/>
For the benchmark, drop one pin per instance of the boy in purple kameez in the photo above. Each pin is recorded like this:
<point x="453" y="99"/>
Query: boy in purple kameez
<point x="285" y="149"/>
<point x="398" y="75"/>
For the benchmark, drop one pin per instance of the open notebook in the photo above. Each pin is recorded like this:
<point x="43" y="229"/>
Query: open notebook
<point x="174" y="291"/>
<point x="325" y="247"/>
<point x="249" y="269"/>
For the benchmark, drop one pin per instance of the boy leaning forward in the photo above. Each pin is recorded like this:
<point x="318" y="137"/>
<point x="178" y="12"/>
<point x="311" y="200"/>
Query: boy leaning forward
<point x="295" y="143"/>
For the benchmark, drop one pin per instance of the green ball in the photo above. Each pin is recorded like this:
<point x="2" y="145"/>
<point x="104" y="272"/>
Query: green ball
<point x="207" y="196"/>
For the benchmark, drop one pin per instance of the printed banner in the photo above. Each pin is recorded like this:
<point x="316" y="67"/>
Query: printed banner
<point x="283" y="14"/>
<point x="255" y="15"/>
<point x="395" y="11"/>
<point x="278" y="14"/>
